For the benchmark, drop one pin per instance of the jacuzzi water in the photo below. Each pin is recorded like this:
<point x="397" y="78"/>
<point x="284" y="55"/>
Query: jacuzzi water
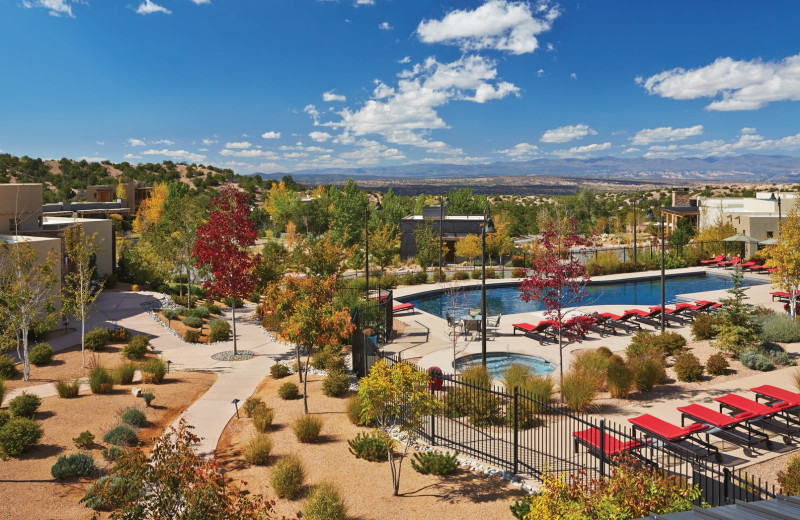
<point x="498" y="362"/>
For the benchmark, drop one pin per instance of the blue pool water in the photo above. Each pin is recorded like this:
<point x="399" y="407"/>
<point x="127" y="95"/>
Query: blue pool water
<point x="506" y="300"/>
<point x="498" y="362"/>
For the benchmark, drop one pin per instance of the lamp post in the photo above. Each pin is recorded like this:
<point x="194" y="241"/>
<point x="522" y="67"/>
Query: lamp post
<point x="442" y="204"/>
<point x="780" y="215"/>
<point x="641" y="199"/>
<point x="168" y="364"/>
<point x="235" y="403"/>
<point x="486" y="227"/>
<point x="378" y="207"/>
<point x="651" y="218"/>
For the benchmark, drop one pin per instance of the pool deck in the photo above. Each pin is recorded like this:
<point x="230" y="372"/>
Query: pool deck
<point x="426" y="343"/>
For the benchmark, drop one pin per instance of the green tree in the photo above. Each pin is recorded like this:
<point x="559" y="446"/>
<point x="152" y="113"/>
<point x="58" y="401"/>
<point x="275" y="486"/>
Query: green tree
<point x="469" y="247"/>
<point x="397" y="396"/>
<point x="739" y="330"/>
<point x="274" y="259"/>
<point x="684" y="232"/>
<point x="79" y="291"/>
<point x="498" y="244"/>
<point x="463" y="202"/>
<point x="384" y="244"/>
<point x="176" y="233"/>
<point x="349" y="204"/>
<point x="321" y="257"/>
<point x="427" y="245"/>
<point x="785" y="256"/>
<point x="282" y="205"/>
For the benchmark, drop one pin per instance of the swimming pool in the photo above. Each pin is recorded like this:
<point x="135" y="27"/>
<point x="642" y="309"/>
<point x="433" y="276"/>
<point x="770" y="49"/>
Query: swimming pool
<point x="498" y="362"/>
<point x="506" y="299"/>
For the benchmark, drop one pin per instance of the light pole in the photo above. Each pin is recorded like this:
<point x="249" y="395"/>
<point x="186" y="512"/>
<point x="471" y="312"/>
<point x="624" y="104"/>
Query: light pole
<point x="486" y="227"/>
<point x="442" y="204"/>
<point x="651" y="218"/>
<point x="780" y="216"/>
<point x="641" y="199"/>
<point x="378" y="207"/>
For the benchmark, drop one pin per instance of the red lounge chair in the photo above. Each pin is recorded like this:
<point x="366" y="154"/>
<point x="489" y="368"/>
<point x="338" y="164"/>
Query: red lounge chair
<point x="784" y="425"/>
<point x="711" y="261"/>
<point x="773" y="269"/>
<point x="702" y="306"/>
<point x="781" y="295"/>
<point x="647" y="316"/>
<point x="748" y="264"/>
<point x="623" y="320"/>
<point x="757" y="268"/>
<point x="612" y="446"/>
<point x="730" y="263"/>
<point x="724" y="425"/>
<point x="677" y="438"/>
<point x="542" y="328"/>
<point x="774" y="393"/>
<point x="680" y="313"/>
<point x="404" y="307"/>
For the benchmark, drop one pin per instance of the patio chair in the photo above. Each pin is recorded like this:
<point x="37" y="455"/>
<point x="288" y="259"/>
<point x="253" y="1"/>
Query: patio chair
<point x="725" y="427"/>
<point x="748" y="264"/>
<point x="774" y="418"/>
<point x="404" y="307"/>
<point x="542" y="329"/>
<point x="682" y="440"/>
<point x="601" y="325"/>
<point x="702" y="306"/>
<point x="648" y="317"/>
<point x="711" y="261"/>
<point x="775" y="394"/>
<point x="730" y="263"/>
<point x="757" y="268"/>
<point x="624" y="320"/>
<point x="492" y="322"/>
<point x="781" y="295"/>
<point x="680" y="313"/>
<point x="611" y="446"/>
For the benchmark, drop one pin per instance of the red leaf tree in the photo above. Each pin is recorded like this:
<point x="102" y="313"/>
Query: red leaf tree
<point x="558" y="281"/>
<point x="221" y="248"/>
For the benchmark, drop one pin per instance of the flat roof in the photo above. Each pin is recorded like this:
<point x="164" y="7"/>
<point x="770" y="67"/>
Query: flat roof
<point x="51" y="219"/>
<point x="24" y="238"/>
<point x="477" y="218"/>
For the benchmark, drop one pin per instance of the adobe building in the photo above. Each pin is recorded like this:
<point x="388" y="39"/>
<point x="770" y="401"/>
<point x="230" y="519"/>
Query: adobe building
<point x="682" y="207"/>
<point x="135" y="193"/>
<point x="454" y="228"/>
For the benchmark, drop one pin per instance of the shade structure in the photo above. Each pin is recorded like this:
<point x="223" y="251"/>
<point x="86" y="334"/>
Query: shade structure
<point x="769" y="242"/>
<point x="745" y="241"/>
<point x="740" y="238"/>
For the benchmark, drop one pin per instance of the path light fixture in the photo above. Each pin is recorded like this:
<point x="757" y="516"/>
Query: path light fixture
<point x="221" y="472"/>
<point x="235" y="403"/>
<point x="168" y="364"/>
<point x="651" y="218"/>
<point x="66" y="324"/>
<point x="378" y="207"/>
<point x="487" y="227"/>
<point x="635" y="200"/>
<point x="442" y="204"/>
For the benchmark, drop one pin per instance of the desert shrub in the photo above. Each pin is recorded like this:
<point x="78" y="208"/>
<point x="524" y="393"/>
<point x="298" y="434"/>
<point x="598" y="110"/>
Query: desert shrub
<point x="228" y="301"/>
<point x="193" y="321"/>
<point x="134" y="417"/>
<point x="84" y="441"/>
<point x="198" y="312"/>
<point x="780" y="357"/>
<point x="122" y="435"/>
<point x="123" y="374"/>
<point x="288" y="476"/>
<point x="191" y="336"/>
<point x="389" y="281"/>
<point x="593" y="363"/>
<point x="5" y="416"/>
<point x="153" y="371"/>
<point x="475" y="274"/>
<point x="619" y="377"/>
<point x="252" y="404"/>
<point x="373" y="446"/>
<point x="578" y="389"/>
<point x="779" y="328"/>
<point x="41" y="354"/>
<point x="148" y="397"/>
<point x="258" y="449"/>
<point x="789" y="479"/>
<point x="354" y="412"/>
<point x="320" y="359"/>
<point x="490" y="273"/>
<point x="460" y="275"/>
<point x="297" y="367"/>
<point x="97" y="339"/>
<point x="756" y="360"/>
<point x="18" y="435"/>
<point x="432" y="463"/>
<point x="279" y="370"/>
<point x="112" y="453"/>
<point x="170" y="314"/>
<point x="220" y="330"/>
<point x="648" y="371"/>
<point x="516" y="375"/>
<point x="2" y="390"/>
<point x="476" y="375"/>
<point x="288" y="391"/>
<point x="67" y="390"/>
<point x="8" y="369"/>
<point x="717" y="365"/>
<point x="137" y="348"/>
<point x="24" y="405"/>
<point x="704" y="326"/>
<point x="100" y="381"/>
<point x="73" y="466"/>
<point x="687" y="367"/>
<point x="307" y="428"/>
<point x="644" y="342"/>
<point x="262" y="418"/>
<point x="119" y="335"/>
<point x="214" y="309"/>
<point x="336" y="384"/>
<point x="519" y="272"/>
<point x="604" y="351"/>
<point x="420" y="277"/>
<point x="540" y="388"/>
<point x="325" y="503"/>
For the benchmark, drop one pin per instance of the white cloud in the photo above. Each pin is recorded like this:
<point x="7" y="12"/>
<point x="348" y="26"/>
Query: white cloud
<point x="364" y="2"/>
<point x="131" y="156"/>
<point x="163" y="141"/>
<point x="332" y="96"/>
<point x="406" y="114"/>
<point x="631" y="150"/>
<point x="573" y="76"/>
<point x="313" y="112"/>
<point x="181" y="155"/>
<point x="201" y="2"/>
<point x="92" y="159"/>
<point x="271" y="135"/>
<point x="371" y="152"/>
<point x="320" y="137"/>
<point x="55" y="7"/>
<point x="148" y="7"/>
<point x="550" y="47"/>
<point x="664" y="134"/>
<point x="521" y="151"/>
<point x="564" y="134"/>
<point x="240" y="144"/>
<point x="100" y="143"/>
<point x="747" y="130"/>
<point x="136" y="142"/>
<point x="404" y="59"/>
<point x="384" y="26"/>
<point x="540" y="73"/>
<point x="497" y="24"/>
<point x="734" y="84"/>
<point x="209" y="141"/>
<point x="250" y="153"/>
<point x="580" y="151"/>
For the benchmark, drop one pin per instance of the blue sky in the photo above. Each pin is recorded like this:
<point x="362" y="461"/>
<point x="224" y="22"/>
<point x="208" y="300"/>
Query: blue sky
<point x="284" y="85"/>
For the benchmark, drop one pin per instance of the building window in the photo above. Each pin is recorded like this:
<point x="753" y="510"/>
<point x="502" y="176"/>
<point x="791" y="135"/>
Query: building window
<point x="769" y="235"/>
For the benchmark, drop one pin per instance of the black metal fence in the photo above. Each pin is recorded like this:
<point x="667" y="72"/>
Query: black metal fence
<point x="521" y="434"/>
<point x="377" y="316"/>
<point x="652" y="251"/>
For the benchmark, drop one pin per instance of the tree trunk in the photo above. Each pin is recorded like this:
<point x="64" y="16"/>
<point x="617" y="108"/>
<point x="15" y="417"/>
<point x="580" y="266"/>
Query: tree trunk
<point x="299" y="363"/>
<point x="233" y="309"/>
<point x="83" y="336"/>
<point x="26" y="366"/>
<point x="305" y="383"/>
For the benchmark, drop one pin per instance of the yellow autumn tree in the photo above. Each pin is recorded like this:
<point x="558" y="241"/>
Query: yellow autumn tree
<point x="291" y="236"/>
<point x="785" y="257"/>
<point x="712" y="237"/>
<point x="469" y="247"/>
<point x="121" y="193"/>
<point x="281" y="204"/>
<point x="151" y="209"/>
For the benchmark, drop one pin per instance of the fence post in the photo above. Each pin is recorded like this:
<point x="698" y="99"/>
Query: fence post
<point x="602" y="448"/>
<point x="726" y="484"/>
<point x="433" y="415"/>
<point x="516" y="431"/>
